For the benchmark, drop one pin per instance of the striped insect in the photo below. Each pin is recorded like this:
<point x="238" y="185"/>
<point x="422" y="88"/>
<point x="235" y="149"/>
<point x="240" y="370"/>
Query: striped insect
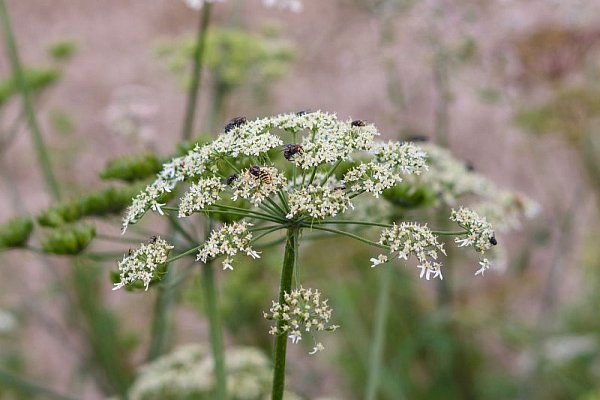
<point x="260" y="173"/>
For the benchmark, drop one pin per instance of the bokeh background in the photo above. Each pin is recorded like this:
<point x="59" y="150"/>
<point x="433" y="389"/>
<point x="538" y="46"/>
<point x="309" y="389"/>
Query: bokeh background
<point x="510" y="87"/>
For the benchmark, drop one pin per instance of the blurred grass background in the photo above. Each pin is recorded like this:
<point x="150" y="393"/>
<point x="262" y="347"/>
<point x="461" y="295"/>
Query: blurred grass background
<point x="509" y="86"/>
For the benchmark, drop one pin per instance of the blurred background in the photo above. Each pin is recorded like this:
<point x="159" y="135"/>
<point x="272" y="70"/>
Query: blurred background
<point x="510" y="87"/>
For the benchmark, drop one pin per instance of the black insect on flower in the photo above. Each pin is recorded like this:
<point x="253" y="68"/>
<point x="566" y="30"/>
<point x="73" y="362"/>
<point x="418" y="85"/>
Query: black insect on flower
<point x="493" y="240"/>
<point x="358" y="122"/>
<point x="231" y="178"/>
<point x="153" y="239"/>
<point x="303" y="112"/>
<point x="470" y="167"/>
<point x="340" y="187"/>
<point x="289" y="150"/>
<point x="234" y="123"/>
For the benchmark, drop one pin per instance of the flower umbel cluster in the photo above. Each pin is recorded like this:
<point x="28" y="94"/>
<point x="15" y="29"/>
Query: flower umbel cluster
<point x="410" y="238"/>
<point x="229" y="240"/>
<point x="479" y="234"/>
<point x="201" y="194"/>
<point x="318" y="202"/>
<point x="301" y="311"/>
<point x="141" y="264"/>
<point x="256" y="184"/>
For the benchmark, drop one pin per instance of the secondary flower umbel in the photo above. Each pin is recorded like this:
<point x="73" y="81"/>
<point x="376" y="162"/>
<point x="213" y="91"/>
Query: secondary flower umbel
<point x="229" y="240"/>
<point x="142" y="264"/>
<point x="412" y="239"/>
<point x="302" y="311"/>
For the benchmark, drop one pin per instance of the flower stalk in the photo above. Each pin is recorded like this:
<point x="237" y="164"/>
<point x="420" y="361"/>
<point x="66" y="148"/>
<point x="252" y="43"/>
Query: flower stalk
<point x="28" y="111"/>
<point x="190" y="112"/>
<point x="378" y="342"/>
<point x="214" y="323"/>
<point x="287" y="272"/>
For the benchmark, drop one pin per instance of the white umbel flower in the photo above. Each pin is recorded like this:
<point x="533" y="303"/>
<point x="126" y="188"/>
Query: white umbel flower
<point x="480" y="233"/>
<point x="318" y="202"/>
<point x="413" y="239"/>
<point x="230" y="240"/>
<point x="141" y="264"/>
<point x="201" y="194"/>
<point x="302" y="310"/>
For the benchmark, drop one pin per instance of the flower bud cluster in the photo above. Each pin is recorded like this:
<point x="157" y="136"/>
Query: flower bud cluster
<point x="102" y="202"/>
<point x="318" y="202"/>
<point x="411" y="238"/>
<point x="69" y="240"/>
<point x="16" y="232"/>
<point x="229" y="240"/>
<point x="301" y="311"/>
<point x="132" y="168"/>
<point x="142" y="264"/>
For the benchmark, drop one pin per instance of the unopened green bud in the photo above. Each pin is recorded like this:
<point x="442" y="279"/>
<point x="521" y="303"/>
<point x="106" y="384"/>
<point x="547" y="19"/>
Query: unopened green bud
<point x="62" y="50"/>
<point x="132" y="168"/>
<point x="112" y="200"/>
<point x="60" y="214"/>
<point x="69" y="240"/>
<point x="15" y="232"/>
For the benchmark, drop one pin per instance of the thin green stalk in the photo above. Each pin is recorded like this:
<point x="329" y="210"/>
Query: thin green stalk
<point x="281" y="210"/>
<point x="251" y="213"/>
<point x="36" y="134"/>
<point x="185" y="253"/>
<point x="348" y="234"/>
<point x="216" y="336"/>
<point x="331" y="171"/>
<point x="312" y="176"/>
<point x="176" y="225"/>
<point x="190" y="112"/>
<point x="117" y="239"/>
<point x="27" y="387"/>
<point x="289" y="262"/>
<point x="283" y="199"/>
<point x="377" y="344"/>
<point x="271" y="230"/>
<point x="268" y="208"/>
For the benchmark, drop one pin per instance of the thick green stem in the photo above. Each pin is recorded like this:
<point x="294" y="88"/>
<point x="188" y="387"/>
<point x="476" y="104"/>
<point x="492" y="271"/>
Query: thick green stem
<point x="216" y="336"/>
<point x="27" y="105"/>
<point x="190" y="112"/>
<point x="377" y="344"/>
<point x="161" y="325"/>
<point x="287" y="272"/>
